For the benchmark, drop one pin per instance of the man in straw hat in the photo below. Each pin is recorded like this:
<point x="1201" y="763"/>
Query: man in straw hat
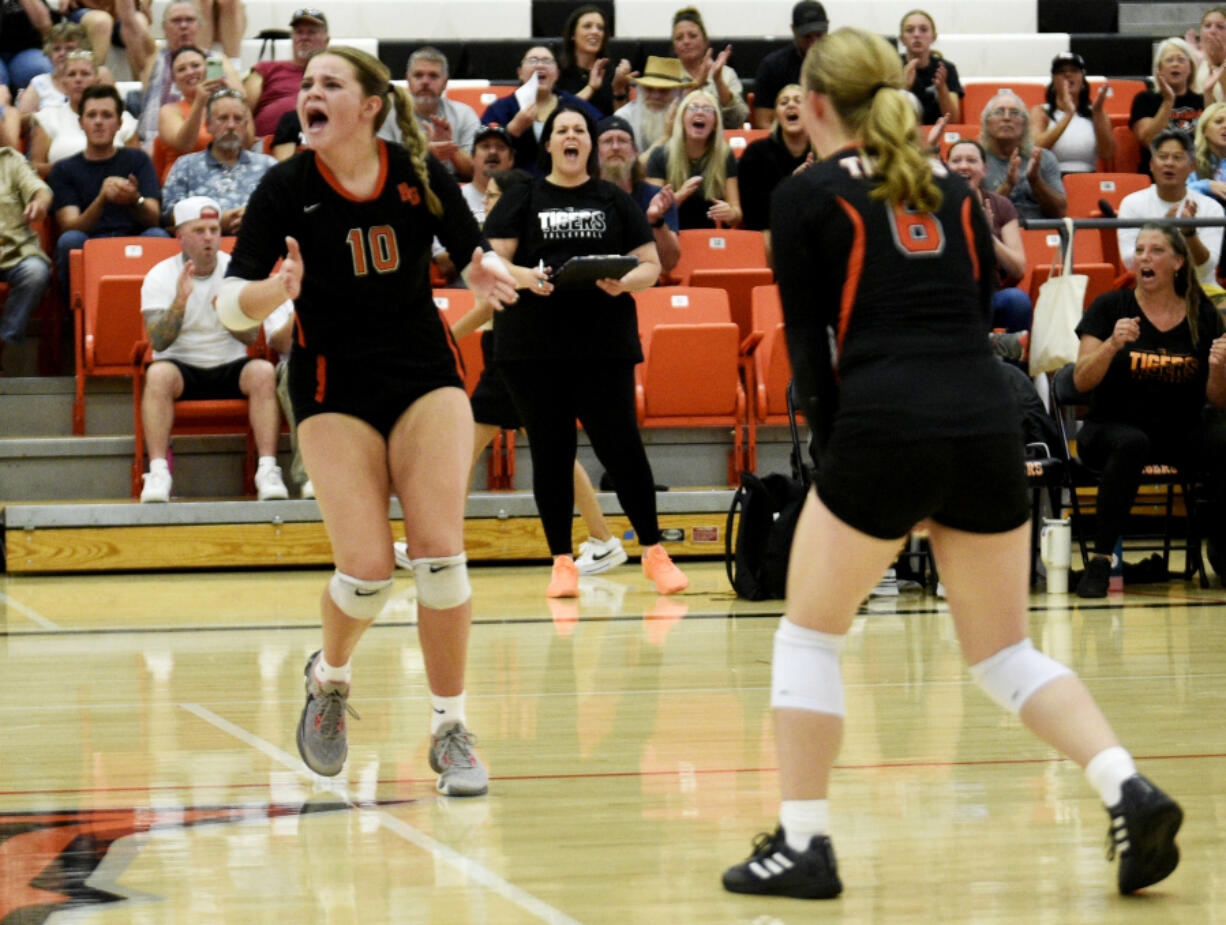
<point x="650" y="113"/>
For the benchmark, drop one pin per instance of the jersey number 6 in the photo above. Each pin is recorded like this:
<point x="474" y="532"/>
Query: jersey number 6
<point x="384" y="252"/>
<point x="916" y="234"/>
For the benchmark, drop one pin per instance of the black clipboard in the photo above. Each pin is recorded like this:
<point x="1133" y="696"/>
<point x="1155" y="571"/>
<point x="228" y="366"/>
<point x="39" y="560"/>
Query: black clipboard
<point x="584" y="271"/>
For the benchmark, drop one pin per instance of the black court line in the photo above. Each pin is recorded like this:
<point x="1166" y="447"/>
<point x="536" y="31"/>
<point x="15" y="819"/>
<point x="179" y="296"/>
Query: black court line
<point x="546" y="620"/>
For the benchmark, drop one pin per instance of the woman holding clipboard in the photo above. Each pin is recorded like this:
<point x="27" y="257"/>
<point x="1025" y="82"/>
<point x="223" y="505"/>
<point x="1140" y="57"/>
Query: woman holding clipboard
<point x="568" y="351"/>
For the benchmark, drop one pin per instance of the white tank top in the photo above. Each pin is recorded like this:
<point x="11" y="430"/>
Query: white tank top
<point x="1077" y="147"/>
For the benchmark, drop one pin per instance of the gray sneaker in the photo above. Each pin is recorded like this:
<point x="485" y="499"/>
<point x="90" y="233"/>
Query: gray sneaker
<point x="461" y="773"/>
<point x="322" y="741"/>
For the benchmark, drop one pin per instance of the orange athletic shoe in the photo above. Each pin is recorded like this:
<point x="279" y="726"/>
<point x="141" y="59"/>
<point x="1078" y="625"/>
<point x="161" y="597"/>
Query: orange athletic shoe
<point x="564" y="582"/>
<point x="659" y="568"/>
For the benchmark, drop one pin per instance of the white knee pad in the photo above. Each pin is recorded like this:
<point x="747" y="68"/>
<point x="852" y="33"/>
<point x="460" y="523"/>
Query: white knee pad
<point x="1012" y="675"/>
<point x="358" y="598"/>
<point x="442" y="582"/>
<point x="805" y="673"/>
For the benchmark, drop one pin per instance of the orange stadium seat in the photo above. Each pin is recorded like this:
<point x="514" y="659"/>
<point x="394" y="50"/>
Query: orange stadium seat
<point x="1127" y="150"/>
<point x="479" y="98"/>
<point x="1083" y="190"/>
<point x="1120" y="94"/>
<point x="771" y="368"/>
<point x="690" y="375"/>
<point x="718" y="249"/>
<point x="955" y="132"/>
<point x="1042" y="248"/>
<point x="740" y="138"/>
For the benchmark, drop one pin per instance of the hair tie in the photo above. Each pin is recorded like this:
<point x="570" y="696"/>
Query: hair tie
<point x="878" y="86"/>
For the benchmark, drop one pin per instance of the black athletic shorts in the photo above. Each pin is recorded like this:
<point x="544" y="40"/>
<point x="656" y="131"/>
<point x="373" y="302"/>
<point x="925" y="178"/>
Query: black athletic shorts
<point x="977" y="484"/>
<point x="491" y="401"/>
<point x="378" y="397"/>
<point x="203" y="383"/>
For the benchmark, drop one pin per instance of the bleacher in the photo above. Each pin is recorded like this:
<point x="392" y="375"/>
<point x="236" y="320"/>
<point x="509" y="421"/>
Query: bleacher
<point x="51" y="479"/>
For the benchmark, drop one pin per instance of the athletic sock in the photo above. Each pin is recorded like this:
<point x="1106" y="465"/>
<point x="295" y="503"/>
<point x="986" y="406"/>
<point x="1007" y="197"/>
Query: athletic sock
<point x="1107" y="771"/>
<point x="803" y="819"/>
<point x="332" y="674"/>
<point x="444" y="710"/>
<point x="159" y="465"/>
<point x="265" y="462"/>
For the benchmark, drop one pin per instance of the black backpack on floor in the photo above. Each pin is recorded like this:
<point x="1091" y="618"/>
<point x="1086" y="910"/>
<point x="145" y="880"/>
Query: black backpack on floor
<point x="757" y="562"/>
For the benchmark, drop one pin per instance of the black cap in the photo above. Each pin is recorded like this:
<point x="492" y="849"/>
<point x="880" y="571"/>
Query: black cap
<point x="494" y="130"/>
<point x="1067" y="57"/>
<point x="613" y="124"/>
<point x="808" y="17"/>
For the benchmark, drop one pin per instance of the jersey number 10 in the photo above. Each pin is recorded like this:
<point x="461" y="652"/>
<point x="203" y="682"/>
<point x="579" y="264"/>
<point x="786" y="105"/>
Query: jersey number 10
<point x="383" y="253"/>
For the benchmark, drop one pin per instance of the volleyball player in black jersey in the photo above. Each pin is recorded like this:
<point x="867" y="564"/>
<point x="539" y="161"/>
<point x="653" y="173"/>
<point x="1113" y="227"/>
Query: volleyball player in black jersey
<point x="374" y="384"/>
<point x="885" y="270"/>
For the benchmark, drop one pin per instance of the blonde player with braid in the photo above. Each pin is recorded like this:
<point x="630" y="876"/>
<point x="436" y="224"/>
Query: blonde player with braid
<point x="885" y="270"/>
<point x="373" y="382"/>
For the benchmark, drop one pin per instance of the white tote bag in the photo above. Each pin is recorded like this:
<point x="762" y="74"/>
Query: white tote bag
<point x="1053" y="337"/>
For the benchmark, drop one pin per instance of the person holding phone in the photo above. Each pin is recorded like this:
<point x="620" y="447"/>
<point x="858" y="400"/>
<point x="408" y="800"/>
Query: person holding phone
<point x="568" y="354"/>
<point x="181" y="124"/>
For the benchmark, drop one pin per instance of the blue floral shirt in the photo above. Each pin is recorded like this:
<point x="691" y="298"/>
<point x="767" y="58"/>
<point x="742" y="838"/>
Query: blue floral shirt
<point x="201" y="174"/>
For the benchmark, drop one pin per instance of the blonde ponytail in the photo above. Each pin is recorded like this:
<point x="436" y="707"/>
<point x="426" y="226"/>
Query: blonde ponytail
<point x="375" y="80"/>
<point x="862" y="77"/>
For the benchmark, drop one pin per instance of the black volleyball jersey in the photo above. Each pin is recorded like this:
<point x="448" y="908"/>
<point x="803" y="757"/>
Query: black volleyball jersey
<point x="887" y="309"/>
<point x="366" y="301"/>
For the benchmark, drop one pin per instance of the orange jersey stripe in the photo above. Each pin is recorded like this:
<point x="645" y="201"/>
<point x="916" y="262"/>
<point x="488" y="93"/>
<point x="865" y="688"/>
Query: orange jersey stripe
<point x="855" y="265"/>
<point x="336" y="185"/>
<point x="321" y="378"/>
<point x="969" y="230"/>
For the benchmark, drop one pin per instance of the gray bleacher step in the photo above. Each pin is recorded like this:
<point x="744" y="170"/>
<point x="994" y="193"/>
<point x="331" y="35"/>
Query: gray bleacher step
<point x="1160" y="19"/>
<point x="41" y="406"/>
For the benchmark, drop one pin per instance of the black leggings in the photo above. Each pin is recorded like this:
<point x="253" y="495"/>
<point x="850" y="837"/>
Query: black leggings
<point x="1120" y="451"/>
<point x="550" y="395"/>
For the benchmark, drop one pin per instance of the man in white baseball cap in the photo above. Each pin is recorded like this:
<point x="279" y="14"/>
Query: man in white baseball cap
<point x="195" y="356"/>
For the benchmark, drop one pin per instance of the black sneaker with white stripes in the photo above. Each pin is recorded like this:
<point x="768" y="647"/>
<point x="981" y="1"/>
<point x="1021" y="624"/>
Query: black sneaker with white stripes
<point x="774" y="869"/>
<point x="1143" y="827"/>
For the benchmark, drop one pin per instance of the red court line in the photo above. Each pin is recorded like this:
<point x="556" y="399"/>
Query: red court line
<point x="597" y="775"/>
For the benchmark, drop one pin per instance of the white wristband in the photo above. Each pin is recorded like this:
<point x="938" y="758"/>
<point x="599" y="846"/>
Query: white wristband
<point x="491" y="261"/>
<point x="229" y="311"/>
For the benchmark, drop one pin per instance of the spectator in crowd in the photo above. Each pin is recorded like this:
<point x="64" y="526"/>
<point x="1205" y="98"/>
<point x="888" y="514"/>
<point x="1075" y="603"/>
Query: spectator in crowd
<point x="769" y="161"/>
<point x="24" y="201"/>
<point x="1169" y="197"/>
<point x="1025" y="174"/>
<point x="104" y="191"/>
<point x="128" y="28"/>
<point x="10" y="123"/>
<point x="195" y="356"/>
<point x="1210" y="147"/>
<point x="449" y="126"/>
<point x="272" y="86"/>
<point x="584" y="62"/>
<point x="23" y="24"/>
<point x="57" y="131"/>
<point x="618" y="157"/>
<point x="224" y="22"/>
<point x="96" y="24"/>
<point x="1175" y="102"/>
<point x="49" y="89"/>
<point x="707" y="69"/>
<point x="225" y="171"/>
<point x="1068" y="125"/>
<point x="651" y="112"/>
<point x="932" y="79"/>
<point x="493" y="150"/>
<point x="181" y="125"/>
<point x="1011" y="307"/>
<point x="525" y="125"/>
<point x="782" y="66"/>
<point x="1211" y="63"/>
<point x="698" y="164"/>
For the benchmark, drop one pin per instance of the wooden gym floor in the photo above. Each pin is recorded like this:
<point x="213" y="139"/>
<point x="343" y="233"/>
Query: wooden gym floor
<point x="149" y="772"/>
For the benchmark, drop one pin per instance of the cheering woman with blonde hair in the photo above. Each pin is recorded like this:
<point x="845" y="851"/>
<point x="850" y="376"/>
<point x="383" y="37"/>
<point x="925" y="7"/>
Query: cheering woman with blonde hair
<point x="379" y="404"/>
<point x="885" y="269"/>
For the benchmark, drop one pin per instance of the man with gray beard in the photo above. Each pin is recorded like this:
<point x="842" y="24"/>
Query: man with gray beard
<point x="650" y="114"/>
<point x="619" y="165"/>
<point x="225" y="171"/>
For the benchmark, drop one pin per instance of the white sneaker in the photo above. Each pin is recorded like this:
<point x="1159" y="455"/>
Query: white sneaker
<point x="596" y="556"/>
<point x="268" y="484"/>
<point x="888" y="586"/>
<point x="157" y="487"/>
<point x="308" y="489"/>
<point x="400" y="549"/>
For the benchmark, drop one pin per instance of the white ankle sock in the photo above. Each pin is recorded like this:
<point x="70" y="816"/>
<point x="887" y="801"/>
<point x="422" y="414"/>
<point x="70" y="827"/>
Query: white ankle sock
<point x="265" y="462"/>
<point x="159" y="465"/>
<point x="1107" y="771"/>
<point x="444" y="710"/>
<point x="332" y="674"/>
<point x="802" y="819"/>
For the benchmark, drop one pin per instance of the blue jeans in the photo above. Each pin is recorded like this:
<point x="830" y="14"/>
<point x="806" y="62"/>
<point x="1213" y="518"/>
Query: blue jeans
<point x="75" y="240"/>
<point x="1011" y="309"/>
<point x="18" y="68"/>
<point x="28" y="281"/>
